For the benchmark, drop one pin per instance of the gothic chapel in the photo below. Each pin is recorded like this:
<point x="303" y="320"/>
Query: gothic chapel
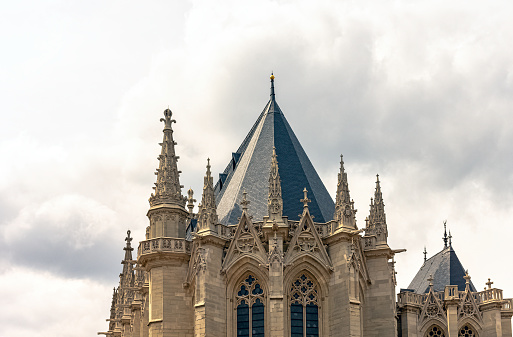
<point x="270" y="254"/>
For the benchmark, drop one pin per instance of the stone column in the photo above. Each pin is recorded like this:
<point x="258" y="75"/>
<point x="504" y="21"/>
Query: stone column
<point x="379" y="309"/>
<point x="210" y="288"/>
<point x="491" y="308"/>
<point x="451" y="299"/>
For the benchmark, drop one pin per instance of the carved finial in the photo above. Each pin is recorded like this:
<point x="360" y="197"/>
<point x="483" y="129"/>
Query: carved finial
<point x="274" y="198"/>
<point x="244" y="201"/>
<point x="430" y="279"/>
<point x="467" y="280"/>
<point x="190" y="200"/>
<point x="305" y="200"/>
<point x="445" y="234"/>
<point x="168" y="120"/>
<point x="450" y="239"/>
<point x="425" y="254"/>
<point x="489" y="284"/>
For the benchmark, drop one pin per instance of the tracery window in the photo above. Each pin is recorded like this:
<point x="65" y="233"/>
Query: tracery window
<point x="435" y="331"/>
<point x="304" y="308"/>
<point x="250" y="308"/>
<point x="466" y="331"/>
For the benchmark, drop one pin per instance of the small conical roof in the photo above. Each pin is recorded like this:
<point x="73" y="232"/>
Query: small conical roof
<point x="249" y="170"/>
<point x="445" y="268"/>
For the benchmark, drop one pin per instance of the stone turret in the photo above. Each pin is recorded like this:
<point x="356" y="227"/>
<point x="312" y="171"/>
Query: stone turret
<point x="165" y="253"/>
<point x="344" y="206"/>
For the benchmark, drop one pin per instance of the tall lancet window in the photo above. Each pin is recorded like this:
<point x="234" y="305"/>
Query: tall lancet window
<point x="250" y="308"/>
<point x="304" y="308"/>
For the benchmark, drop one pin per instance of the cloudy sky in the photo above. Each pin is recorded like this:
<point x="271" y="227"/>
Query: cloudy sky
<point x="419" y="91"/>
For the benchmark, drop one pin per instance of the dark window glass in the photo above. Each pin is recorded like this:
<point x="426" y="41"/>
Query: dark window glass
<point x="243" y="319"/>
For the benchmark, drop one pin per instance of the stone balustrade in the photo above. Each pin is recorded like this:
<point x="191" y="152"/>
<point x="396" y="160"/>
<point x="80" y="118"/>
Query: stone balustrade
<point x="507" y="305"/>
<point x="482" y="297"/>
<point x="488" y="295"/>
<point x="408" y="297"/>
<point x="164" y="245"/>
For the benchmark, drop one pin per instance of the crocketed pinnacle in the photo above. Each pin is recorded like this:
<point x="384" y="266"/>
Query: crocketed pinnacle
<point x="112" y="316"/>
<point x="207" y="214"/>
<point x="127" y="276"/>
<point x="377" y="210"/>
<point x="377" y="224"/>
<point x="274" y="200"/>
<point x="344" y="206"/>
<point x="167" y="188"/>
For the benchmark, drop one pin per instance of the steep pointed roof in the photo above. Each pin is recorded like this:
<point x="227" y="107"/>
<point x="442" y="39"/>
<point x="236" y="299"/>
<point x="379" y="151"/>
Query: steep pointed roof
<point x="249" y="170"/>
<point x="445" y="268"/>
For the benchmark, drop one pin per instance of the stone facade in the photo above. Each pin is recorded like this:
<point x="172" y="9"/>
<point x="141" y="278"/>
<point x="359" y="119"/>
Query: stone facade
<point x="274" y="276"/>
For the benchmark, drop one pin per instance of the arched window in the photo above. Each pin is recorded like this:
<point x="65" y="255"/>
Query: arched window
<point x="466" y="331"/>
<point x="435" y="331"/>
<point x="304" y="309"/>
<point x="250" y="308"/>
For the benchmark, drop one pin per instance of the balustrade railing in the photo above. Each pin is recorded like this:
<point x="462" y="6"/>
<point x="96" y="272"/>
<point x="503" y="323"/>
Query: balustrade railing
<point x="507" y="305"/>
<point x="490" y="295"/>
<point x="164" y="245"/>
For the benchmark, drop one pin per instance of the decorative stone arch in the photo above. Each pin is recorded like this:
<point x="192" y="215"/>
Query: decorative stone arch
<point x="236" y="274"/>
<point x="317" y="274"/>
<point x="467" y="328"/>
<point x="428" y="326"/>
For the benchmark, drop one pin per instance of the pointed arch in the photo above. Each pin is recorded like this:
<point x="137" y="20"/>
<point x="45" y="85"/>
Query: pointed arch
<point x="238" y="272"/>
<point x="467" y="330"/>
<point x="428" y="326"/>
<point x="312" y="302"/>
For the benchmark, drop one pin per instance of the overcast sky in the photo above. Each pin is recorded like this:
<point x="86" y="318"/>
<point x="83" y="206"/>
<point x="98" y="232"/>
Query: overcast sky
<point x="420" y="92"/>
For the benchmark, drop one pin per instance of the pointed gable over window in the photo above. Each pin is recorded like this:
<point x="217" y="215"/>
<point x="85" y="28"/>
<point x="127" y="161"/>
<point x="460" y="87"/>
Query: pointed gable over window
<point x="249" y="169"/>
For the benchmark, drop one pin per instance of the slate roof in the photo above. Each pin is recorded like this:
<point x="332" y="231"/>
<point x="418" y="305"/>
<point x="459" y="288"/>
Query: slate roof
<point x="445" y="268"/>
<point x="249" y="170"/>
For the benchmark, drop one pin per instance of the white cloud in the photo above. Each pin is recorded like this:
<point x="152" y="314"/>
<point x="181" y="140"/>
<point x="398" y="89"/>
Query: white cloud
<point x="42" y="304"/>
<point x="418" y="91"/>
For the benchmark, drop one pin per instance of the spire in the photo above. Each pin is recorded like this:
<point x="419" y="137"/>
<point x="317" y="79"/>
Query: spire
<point x="445" y="234"/>
<point x="167" y="188"/>
<point x="272" y="85"/>
<point x="274" y="199"/>
<point x="425" y="254"/>
<point x="207" y="219"/>
<point x="377" y="219"/>
<point x="344" y="206"/>
<point x="450" y="239"/>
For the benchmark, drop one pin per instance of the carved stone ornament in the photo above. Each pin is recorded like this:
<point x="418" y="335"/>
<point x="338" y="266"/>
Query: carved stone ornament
<point x="432" y="308"/>
<point x="246" y="242"/>
<point x="306" y="241"/>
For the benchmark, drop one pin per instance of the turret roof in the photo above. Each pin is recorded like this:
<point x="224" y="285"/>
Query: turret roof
<point x="445" y="268"/>
<point x="249" y="170"/>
